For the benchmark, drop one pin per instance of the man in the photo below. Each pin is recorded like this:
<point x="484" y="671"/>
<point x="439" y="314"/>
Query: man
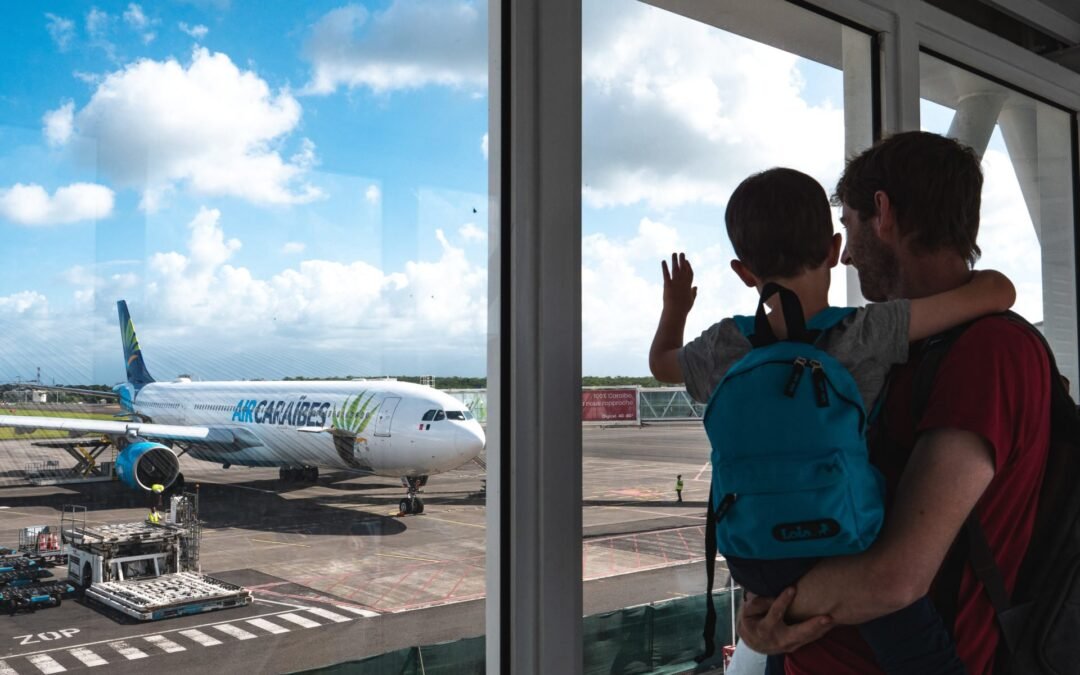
<point x="678" y="487"/>
<point x="154" y="518"/>
<point x="911" y="208"/>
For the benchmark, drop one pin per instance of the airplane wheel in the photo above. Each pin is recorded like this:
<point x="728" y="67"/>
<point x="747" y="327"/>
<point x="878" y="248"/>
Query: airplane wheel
<point x="418" y="507"/>
<point x="405" y="506"/>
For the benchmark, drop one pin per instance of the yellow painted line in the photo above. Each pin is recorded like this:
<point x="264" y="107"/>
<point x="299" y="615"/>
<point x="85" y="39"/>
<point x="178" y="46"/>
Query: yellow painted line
<point x="282" y="543"/>
<point x="409" y="557"/>
<point x="453" y="522"/>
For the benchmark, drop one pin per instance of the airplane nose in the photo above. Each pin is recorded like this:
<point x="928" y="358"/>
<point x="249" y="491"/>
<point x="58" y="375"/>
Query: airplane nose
<point x="469" y="441"/>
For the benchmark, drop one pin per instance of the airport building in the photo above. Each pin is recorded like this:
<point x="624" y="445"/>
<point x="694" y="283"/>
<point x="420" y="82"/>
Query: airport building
<point x="292" y="200"/>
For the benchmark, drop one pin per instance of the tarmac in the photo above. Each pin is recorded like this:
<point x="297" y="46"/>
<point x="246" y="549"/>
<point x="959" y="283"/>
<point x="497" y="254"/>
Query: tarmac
<point x="338" y="575"/>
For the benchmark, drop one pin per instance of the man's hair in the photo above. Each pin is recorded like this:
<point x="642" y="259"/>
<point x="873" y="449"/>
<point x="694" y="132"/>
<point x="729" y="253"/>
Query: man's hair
<point x="780" y="223"/>
<point x="933" y="183"/>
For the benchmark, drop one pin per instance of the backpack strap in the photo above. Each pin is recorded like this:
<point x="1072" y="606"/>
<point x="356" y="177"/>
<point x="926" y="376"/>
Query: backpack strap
<point x="711" y="517"/>
<point x="793" y="318"/>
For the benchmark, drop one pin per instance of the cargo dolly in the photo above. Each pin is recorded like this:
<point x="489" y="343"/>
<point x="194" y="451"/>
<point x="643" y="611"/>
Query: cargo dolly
<point x="33" y="596"/>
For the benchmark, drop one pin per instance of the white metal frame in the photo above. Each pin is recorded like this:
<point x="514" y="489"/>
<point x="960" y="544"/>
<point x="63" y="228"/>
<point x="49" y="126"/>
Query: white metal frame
<point x="534" y="437"/>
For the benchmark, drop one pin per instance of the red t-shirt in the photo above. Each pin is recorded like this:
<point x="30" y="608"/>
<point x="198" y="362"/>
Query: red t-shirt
<point x="995" y="382"/>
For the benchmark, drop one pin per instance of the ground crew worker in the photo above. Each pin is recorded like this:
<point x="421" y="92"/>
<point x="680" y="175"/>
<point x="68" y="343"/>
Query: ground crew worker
<point x="678" y="486"/>
<point x="158" y="489"/>
<point x="154" y="518"/>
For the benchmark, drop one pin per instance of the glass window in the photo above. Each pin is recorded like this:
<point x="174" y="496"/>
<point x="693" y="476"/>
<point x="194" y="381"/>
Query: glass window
<point x="428" y="416"/>
<point x="289" y="200"/>
<point x="1026" y="227"/>
<point x="678" y="108"/>
<point x="455" y="415"/>
<point x="439" y="416"/>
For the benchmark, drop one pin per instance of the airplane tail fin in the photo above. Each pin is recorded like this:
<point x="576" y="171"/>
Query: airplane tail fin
<point x="137" y="374"/>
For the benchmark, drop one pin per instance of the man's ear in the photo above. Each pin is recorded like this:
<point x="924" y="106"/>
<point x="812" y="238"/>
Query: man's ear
<point x="744" y="273"/>
<point x="884" y="222"/>
<point x="834" y="250"/>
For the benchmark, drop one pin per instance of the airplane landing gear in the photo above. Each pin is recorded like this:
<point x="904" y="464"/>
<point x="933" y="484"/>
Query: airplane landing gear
<point x="412" y="504"/>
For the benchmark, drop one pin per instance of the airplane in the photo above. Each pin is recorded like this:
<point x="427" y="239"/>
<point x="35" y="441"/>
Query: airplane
<point x="369" y="427"/>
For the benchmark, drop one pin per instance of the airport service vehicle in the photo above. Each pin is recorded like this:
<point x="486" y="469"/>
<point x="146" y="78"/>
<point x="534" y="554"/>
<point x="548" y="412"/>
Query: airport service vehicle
<point x="42" y="543"/>
<point x="25" y="585"/>
<point x="143" y="570"/>
<point x="378" y="427"/>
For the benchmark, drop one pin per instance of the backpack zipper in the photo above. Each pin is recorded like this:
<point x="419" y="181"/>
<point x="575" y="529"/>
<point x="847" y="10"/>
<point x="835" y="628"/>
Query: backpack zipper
<point x="821" y="390"/>
<point x="797" y="369"/>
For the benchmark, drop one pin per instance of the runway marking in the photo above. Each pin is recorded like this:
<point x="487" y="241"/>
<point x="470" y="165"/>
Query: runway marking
<point x="281" y="543"/>
<point x="87" y="657"/>
<point x="298" y="620"/>
<point x="704" y="467"/>
<point x="5" y="669"/>
<point x="327" y="614"/>
<point x="164" y="644"/>
<point x="238" y="633"/>
<point x="127" y="651"/>
<point x="357" y="610"/>
<point x="268" y="626"/>
<point x="200" y="637"/>
<point x="654" y="513"/>
<point x="454" y="522"/>
<point x="47" y="664"/>
<point x="409" y="557"/>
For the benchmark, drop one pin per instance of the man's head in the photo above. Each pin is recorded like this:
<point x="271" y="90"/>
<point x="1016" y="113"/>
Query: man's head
<point x="679" y="476"/>
<point x="924" y="190"/>
<point x="780" y="224"/>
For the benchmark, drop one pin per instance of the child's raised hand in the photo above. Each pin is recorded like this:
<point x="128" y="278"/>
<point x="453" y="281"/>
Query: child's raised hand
<point x="679" y="291"/>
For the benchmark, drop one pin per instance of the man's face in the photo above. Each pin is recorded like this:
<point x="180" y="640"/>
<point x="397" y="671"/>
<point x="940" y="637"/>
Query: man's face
<point x="876" y="262"/>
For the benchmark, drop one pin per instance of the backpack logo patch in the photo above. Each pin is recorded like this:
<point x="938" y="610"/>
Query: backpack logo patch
<point x="805" y="530"/>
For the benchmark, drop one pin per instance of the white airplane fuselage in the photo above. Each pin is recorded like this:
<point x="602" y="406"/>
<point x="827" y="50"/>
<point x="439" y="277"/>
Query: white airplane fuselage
<point x="366" y="426"/>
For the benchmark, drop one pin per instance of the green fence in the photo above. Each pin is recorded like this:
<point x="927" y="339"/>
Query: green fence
<point x="661" y="638"/>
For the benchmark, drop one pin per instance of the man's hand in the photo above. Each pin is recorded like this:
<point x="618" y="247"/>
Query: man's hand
<point x="761" y="625"/>
<point x="679" y="289"/>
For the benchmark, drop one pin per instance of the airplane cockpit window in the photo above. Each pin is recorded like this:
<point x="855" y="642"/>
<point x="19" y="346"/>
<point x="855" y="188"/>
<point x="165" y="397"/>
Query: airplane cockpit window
<point x="440" y="415"/>
<point x="456" y="415"/>
<point x="428" y="416"/>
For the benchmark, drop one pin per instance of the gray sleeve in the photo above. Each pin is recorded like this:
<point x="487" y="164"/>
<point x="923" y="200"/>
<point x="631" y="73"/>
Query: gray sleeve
<point x="882" y="329"/>
<point x="705" y="360"/>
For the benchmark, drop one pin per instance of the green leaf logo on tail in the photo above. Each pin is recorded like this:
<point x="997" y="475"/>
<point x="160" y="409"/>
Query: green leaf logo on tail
<point x="354" y="415"/>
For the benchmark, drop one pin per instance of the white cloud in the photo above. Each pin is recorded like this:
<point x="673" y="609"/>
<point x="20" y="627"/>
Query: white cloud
<point x="135" y="18"/>
<point x="293" y="247"/>
<point x="677" y="112"/>
<point x="61" y="30"/>
<point x="25" y="303"/>
<point x="470" y="232"/>
<point x="97" y="22"/>
<point x="32" y="205"/>
<point x="209" y="126"/>
<point x="88" y="284"/>
<point x="484" y="146"/>
<point x="373" y="194"/>
<point x="58" y="124"/>
<point x="198" y="31"/>
<point x="410" y="44"/>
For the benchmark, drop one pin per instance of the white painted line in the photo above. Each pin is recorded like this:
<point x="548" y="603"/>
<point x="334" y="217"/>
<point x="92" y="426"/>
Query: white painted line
<point x="200" y="637"/>
<point x="127" y="651"/>
<point x="46" y="664"/>
<point x="238" y="633"/>
<point x="268" y="626"/>
<point x="327" y="614"/>
<point x="5" y="669"/>
<point x="87" y="657"/>
<point x="298" y="620"/>
<point x="356" y="610"/>
<point x="164" y="644"/>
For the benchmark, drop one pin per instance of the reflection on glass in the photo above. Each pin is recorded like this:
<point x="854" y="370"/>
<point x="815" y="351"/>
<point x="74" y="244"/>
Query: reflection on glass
<point x="289" y="202"/>
<point x="1026" y="224"/>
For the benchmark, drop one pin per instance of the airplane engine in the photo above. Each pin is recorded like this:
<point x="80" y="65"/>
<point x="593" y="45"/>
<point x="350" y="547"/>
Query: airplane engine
<point x="143" y="464"/>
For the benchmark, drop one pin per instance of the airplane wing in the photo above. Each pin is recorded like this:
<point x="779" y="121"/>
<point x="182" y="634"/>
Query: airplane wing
<point x="75" y="426"/>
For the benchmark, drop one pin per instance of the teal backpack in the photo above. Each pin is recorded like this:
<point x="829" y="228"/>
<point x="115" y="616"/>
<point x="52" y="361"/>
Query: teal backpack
<point x="791" y="472"/>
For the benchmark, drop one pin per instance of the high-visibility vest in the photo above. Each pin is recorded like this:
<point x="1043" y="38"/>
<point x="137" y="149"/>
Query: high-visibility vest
<point x="157" y="488"/>
<point x="154" y="518"/>
<point x="678" y="484"/>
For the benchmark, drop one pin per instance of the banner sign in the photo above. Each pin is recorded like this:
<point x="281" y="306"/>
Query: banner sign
<point x="609" y="405"/>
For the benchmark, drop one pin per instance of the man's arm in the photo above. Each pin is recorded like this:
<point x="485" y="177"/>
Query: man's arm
<point x="947" y="474"/>
<point x="988" y="292"/>
<point x="679" y="296"/>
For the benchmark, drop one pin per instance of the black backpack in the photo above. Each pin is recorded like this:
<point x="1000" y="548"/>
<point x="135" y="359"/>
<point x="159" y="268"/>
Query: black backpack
<point x="1040" y="622"/>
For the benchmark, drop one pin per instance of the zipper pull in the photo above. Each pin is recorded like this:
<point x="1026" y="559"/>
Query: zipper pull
<point x="725" y="504"/>
<point x="796" y="375"/>
<point x="821" y="390"/>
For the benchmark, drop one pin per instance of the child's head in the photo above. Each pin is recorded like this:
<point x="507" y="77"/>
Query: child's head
<point x="780" y="224"/>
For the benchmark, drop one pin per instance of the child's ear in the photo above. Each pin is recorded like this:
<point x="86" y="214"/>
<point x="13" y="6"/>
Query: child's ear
<point x="834" y="250"/>
<point x="744" y="273"/>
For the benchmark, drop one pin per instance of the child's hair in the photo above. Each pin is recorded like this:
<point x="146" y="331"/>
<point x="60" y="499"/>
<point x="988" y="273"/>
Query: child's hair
<point x="780" y="223"/>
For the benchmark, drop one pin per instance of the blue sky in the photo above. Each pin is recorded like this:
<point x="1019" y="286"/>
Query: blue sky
<point x="300" y="188"/>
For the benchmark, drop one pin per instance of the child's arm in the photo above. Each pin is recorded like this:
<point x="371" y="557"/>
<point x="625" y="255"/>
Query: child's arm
<point x="988" y="291"/>
<point x="679" y="295"/>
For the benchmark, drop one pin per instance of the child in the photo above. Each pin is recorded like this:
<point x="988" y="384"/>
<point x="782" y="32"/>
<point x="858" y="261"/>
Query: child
<point x="780" y="226"/>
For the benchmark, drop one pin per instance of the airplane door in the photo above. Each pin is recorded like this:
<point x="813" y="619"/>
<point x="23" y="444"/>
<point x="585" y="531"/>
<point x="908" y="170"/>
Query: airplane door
<point x="385" y="415"/>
